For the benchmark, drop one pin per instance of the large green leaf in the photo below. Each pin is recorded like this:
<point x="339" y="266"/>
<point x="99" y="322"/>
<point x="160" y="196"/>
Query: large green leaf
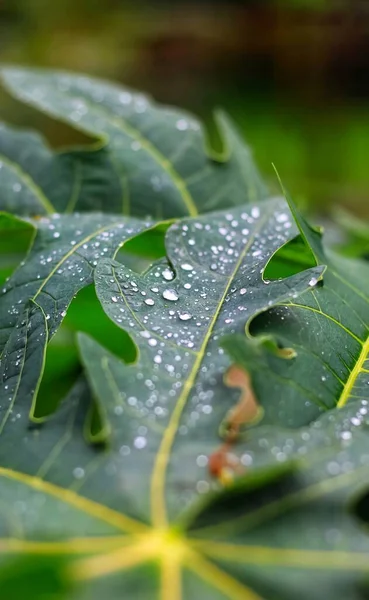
<point x="61" y="261"/>
<point x="141" y="516"/>
<point x="34" y="301"/>
<point x="36" y="180"/>
<point x="328" y="327"/>
<point x="158" y="154"/>
<point x="275" y="533"/>
<point x="176" y="313"/>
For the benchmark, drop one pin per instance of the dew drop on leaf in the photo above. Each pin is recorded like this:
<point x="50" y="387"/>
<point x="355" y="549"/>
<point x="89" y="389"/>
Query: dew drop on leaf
<point x="168" y="274"/>
<point x="170" y="295"/>
<point x="185" y="316"/>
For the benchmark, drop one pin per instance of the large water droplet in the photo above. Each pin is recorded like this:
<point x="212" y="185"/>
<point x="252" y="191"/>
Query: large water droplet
<point x="168" y="274"/>
<point x="170" y="295"/>
<point x="185" y="316"/>
<point x="140" y="442"/>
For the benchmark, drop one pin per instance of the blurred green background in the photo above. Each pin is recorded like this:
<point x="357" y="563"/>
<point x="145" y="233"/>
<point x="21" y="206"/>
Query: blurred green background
<point x="293" y="74"/>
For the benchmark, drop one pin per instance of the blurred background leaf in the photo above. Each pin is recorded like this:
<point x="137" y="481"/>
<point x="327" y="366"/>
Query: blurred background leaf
<point x="291" y="72"/>
<point x="34" y="577"/>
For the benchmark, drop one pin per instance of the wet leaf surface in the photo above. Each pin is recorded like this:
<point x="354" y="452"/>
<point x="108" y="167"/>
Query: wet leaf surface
<point x="151" y="160"/>
<point x="230" y="459"/>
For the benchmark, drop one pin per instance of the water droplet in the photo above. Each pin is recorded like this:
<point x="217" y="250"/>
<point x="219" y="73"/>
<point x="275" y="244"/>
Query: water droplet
<point x="149" y="301"/>
<point x="182" y="125"/>
<point x="202" y="460"/>
<point x="171" y="295"/>
<point x="168" y="274"/>
<point x="140" y="442"/>
<point x="187" y="267"/>
<point x="282" y="218"/>
<point x="185" y="316"/>
<point x="78" y="472"/>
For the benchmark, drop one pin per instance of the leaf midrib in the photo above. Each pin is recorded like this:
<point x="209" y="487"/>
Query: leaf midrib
<point x="70" y="253"/>
<point x="134" y="133"/>
<point x="157" y="488"/>
<point x="153" y="151"/>
<point x="358" y="368"/>
<point x="197" y="551"/>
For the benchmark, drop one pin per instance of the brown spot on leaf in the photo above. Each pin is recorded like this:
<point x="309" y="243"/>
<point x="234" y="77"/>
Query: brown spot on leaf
<point x="223" y="464"/>
<point x="247" y="410"/>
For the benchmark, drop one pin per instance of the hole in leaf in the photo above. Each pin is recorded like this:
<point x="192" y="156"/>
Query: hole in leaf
<point x="62" y="361"/>
<point x="15" y="239"/>
<point x="61" y="370"/>
<point x="148" y="244"/>
<point x="292" y="258"/>
<point x="140" y="252"/>
<point x="250" y="491"/>
<point x="361" y="508"/>
<point x="86" y="314"/>
<point x="34" y="576"/>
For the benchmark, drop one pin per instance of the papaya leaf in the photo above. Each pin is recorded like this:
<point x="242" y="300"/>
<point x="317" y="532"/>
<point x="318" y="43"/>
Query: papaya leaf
<point x="142" y="515"/>
<point x="35" y="299"/>
<point x="159" y="155"/>
<point x="328" y="327"/>
<point x="61" y="261"/>
<point x="35" y="180"/>
<point x="176" y="313"/>
<point x="299" y="537"/>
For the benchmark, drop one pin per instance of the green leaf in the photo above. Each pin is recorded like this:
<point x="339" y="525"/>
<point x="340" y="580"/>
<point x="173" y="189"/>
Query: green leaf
<point x="35" y="299"/>
<point x="34" y="577"/>
<point x="158" y="154"/>
<point x="299" y="537"/>
<point x="328" y="328"/>
<point x="22" y="360"/>
<point x="142" y="516"/>
<point x="61" y="262"/>
<point x="176" y="313"/>
<point x="357" y="232"/>
<point x="36" y="180"/>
